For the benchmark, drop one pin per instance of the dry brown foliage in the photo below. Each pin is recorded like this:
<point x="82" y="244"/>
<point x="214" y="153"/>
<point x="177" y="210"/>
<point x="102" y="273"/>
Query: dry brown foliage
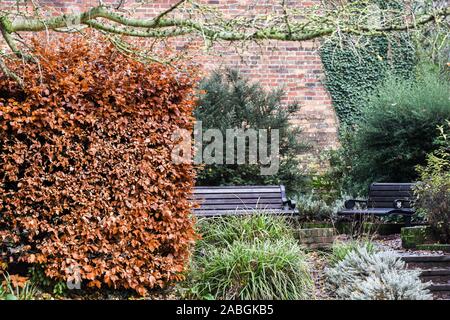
<point x="86" y="177"/>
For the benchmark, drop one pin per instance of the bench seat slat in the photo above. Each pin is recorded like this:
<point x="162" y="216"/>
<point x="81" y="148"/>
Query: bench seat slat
<point x="374" y="211"/>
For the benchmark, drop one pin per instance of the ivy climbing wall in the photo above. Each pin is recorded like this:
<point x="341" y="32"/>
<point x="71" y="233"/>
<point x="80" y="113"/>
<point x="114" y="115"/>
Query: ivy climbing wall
<point x="351" y="74"/>
<point x="355" y="67"/>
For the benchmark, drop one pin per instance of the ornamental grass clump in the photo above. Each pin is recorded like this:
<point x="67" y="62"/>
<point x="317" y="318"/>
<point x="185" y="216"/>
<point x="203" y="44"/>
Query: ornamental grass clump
<point x="249" y="257"/>
<point x="381" y="275"/>
<point x="88" y="188"/>
<point x="265" y="269"/>
<point x="223" y="231"/>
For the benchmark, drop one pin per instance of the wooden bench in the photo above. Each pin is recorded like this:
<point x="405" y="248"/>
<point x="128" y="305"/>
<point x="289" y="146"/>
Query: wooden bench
<point x="228" y="200"/>
<point x="384" y="199"/>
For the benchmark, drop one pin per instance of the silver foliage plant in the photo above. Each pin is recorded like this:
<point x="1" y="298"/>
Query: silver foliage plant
<point x="375" y="276"/>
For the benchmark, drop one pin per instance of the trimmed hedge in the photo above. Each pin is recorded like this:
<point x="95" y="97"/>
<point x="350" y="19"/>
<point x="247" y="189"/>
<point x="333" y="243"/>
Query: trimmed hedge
<point x="87" y="185"/>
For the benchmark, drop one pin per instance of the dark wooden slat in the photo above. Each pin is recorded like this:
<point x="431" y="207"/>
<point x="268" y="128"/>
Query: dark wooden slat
<point x="231" y="206"/>
<point x="367" y="211"/>
<point x="390" y="187"/>
<point x="240" y="201"/>
<point x="371" y="212"/>
<point x="387" y="199"/>
<point x="276" y="193"/>
<point x="393" y="183"/>
<point x="390" y="190"/>
<point x="386" y="205"/>
<point x="236" y="187"/>
<point x="236" y="191"/>
<point x="397" y="194"/>
<point x="396" y="185"/>
<point x="389" y="193"/>
<point x="213" y="213"/>
<point x="238" y="196"/>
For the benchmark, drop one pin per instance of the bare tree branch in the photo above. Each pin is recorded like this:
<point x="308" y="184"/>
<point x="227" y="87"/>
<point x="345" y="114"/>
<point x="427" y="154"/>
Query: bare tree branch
<point x="9" y="73"/>
<point x="164" y="13"/>
<point x="218" y="31"/>
<point x="188" y="17"/>
<point x="121" y="3"/>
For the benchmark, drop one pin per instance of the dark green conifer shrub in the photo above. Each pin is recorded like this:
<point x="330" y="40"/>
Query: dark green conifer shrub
<point x="230" y="101"/>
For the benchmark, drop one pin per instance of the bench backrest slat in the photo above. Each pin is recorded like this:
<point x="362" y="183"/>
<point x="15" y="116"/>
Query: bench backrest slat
<point x="239" y="199"/>
<point x="235" y="190"/>
<point x="383" y="195"/>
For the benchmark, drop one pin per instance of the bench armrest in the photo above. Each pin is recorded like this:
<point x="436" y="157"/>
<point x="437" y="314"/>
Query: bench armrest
<point x="287" y="202"/>
<point x="350" y="204"/>
<point x="292" y="204"/>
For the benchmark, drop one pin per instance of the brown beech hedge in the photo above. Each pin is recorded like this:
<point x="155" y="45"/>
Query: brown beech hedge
<point x="87" y="185"/>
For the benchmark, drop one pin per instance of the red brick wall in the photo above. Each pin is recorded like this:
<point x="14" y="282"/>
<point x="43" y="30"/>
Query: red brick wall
<point x="290" y="65"/>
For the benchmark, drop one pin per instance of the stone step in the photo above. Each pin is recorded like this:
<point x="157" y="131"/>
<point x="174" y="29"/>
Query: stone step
<point x="427" y="261"/>
<point x="440" y="291"/>
<point x="434" y="268"/>
<point x="440" y="287"/>
<point x="435" y="272"/>
<point x="437" y="276"/>
<point x="441" y="295"/>
<point x="426" y="258"/>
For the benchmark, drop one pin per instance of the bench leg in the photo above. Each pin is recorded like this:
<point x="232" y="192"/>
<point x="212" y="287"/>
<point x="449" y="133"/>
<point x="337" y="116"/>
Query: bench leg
<point x="408" y="221"/>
